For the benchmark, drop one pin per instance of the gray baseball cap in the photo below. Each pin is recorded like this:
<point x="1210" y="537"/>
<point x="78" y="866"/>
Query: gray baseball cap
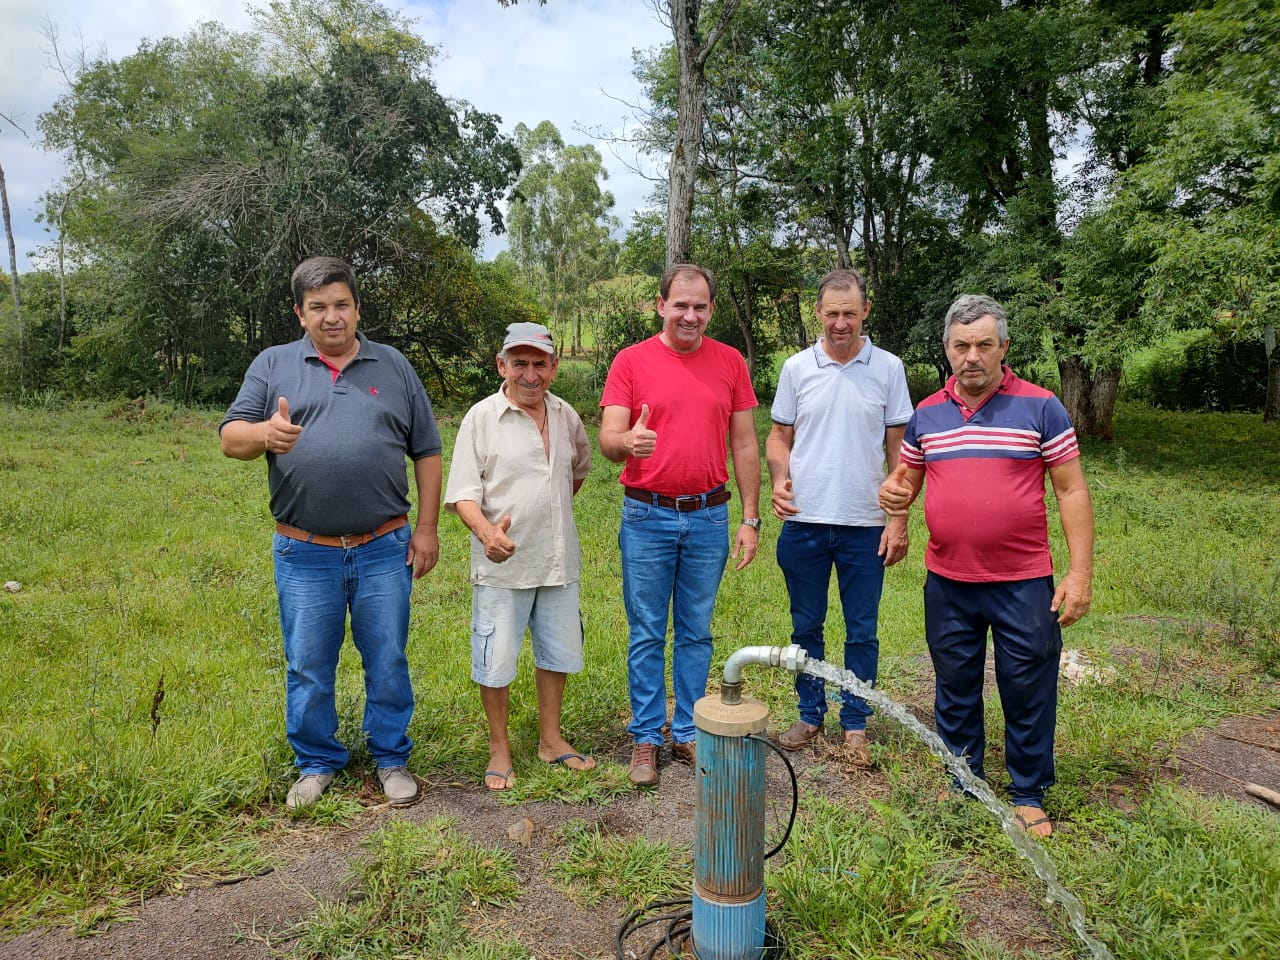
<point x="529" y="335"/>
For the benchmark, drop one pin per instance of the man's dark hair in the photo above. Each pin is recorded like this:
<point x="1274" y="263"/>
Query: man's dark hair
<point x="316" y="272"/>
<point x="844" y="279"/>
<point x="686" y="270"/>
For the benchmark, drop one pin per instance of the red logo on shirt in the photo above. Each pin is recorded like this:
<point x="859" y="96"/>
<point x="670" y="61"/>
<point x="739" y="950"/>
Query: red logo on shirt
<point x="373" y="391"/>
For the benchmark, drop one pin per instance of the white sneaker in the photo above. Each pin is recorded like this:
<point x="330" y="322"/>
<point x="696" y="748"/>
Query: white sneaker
<point x="309" y="788"/>
<point x="398" y="784"/>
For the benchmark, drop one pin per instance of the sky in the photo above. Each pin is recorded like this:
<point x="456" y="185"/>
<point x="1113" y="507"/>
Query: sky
<point x="568" y="62"/>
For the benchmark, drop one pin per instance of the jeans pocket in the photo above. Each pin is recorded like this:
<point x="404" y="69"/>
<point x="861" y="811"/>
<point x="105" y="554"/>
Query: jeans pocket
<point x="281" y="545"/>
<point x="718" y="515"/>
<point x="634" y="511"/>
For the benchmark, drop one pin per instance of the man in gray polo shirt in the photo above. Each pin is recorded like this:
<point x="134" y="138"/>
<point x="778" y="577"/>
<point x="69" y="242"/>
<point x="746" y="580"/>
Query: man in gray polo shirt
<point x="520" y="456"/>
<point x="839" y="413"/>
<point x="336" y="415"/>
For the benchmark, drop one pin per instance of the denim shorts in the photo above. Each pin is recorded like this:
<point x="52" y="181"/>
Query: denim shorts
<point x="499" y="616"/>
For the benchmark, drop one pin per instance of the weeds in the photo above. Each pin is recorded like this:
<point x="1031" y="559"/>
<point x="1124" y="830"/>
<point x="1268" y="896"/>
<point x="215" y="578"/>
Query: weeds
<point x="417" y="892"/>
<point x="638" y="871"/>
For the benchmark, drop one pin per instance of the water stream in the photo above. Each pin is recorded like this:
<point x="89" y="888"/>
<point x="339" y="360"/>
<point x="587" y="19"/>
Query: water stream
<point x="1022" y="842"/>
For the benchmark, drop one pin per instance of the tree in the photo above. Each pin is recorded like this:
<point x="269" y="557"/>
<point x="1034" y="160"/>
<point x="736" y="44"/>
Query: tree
<point x="1203" y="199"/>
<point x="693" y="49"/>
<point x="211" y="165"/>
<point x="13" y="267"/>
<point x="560" y="224"/>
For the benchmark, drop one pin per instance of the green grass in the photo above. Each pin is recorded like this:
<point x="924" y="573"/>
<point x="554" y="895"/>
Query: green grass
<point x="414" y="893"/>
<point x="145" y="565"/>
<point x="595" y="865"/>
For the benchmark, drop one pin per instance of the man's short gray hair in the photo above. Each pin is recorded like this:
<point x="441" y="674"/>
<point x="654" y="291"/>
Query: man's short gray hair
<point x="971" y="307"/>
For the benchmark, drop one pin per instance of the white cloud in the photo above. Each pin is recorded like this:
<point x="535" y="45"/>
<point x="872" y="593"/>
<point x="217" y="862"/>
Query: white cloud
<point x="568" y="62"/>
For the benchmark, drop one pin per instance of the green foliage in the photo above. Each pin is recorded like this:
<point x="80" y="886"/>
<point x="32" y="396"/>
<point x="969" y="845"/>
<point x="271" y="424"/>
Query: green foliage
<point x="560" y="225"/>
<point x="1173" y="863"/>
<point x="1213" y="369"/>
<point x="204" y="169"/>
<point x="876" y="886"/>
<point x="638" y="871"/>
<point x="416" y="892"/>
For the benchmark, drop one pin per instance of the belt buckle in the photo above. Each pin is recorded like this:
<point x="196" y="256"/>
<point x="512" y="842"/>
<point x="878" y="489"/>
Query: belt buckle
<point x="687" y="503"/>
<point x="348" y="540"/>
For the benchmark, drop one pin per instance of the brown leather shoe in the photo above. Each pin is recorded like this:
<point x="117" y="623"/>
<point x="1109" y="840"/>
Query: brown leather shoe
<point x="797" y="735"/>
<point x="644" y="765"/>
<point x="857" y="749"/>
<point x="685" y="752"/>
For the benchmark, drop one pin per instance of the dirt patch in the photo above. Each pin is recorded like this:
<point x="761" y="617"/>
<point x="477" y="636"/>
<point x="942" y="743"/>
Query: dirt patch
<point x="251" y="919"/>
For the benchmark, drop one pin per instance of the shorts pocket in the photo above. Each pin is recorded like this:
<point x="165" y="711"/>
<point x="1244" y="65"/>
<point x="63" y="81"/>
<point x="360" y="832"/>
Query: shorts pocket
<point x="482" y="632"/>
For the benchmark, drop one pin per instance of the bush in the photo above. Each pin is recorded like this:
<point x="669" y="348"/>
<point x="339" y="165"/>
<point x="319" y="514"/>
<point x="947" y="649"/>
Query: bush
<point x="1209" y="369"/>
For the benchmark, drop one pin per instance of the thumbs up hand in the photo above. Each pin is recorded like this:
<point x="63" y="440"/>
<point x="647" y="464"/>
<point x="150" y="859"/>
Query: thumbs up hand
<point x="640" y="441"/>
<point x="899" y="489"/>
<point x="281" y="433"/>
<point x="784" y="501"/>
<point x="497" y="545"/>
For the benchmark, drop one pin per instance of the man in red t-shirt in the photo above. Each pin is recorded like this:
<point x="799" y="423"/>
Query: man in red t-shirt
<point x="668" y="404"/>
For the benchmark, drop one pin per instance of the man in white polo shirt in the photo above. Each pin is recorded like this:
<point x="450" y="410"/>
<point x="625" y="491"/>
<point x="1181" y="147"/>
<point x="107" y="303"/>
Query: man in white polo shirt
<point x="520" y="456"/>
<point x="839" y="414"/>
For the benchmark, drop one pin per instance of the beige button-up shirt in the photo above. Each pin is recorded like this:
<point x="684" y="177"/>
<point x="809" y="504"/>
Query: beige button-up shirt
<point x="500" y="463"/>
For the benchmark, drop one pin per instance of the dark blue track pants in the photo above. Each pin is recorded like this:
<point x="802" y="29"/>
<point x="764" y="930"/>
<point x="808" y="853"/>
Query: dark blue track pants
<point x="1028" y="644"/>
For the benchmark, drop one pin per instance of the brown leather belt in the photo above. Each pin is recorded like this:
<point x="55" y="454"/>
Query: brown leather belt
<point x="347" y="540"/>
<point x="685" y="504"/>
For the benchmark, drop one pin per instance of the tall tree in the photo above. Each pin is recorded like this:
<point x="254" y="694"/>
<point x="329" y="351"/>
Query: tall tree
<point x="559" y="223"/>
<point x="693" y="49"/>
<point x="13" y="267"/>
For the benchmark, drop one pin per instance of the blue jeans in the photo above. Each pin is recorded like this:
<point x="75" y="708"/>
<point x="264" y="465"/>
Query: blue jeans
<point x="806" y="553"/>
<point x="316" y="587"/>
<point x="1028" y="646"/>
<point x="669" y="560"/>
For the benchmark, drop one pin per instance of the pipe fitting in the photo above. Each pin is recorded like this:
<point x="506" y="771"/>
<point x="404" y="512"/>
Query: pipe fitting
<point x="791" y="658"/>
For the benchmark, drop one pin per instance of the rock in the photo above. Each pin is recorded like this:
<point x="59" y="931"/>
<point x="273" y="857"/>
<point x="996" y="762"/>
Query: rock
<point x="1075" y="667"/>
<point x="13" y="586"/>
<point x="521" y="831"/>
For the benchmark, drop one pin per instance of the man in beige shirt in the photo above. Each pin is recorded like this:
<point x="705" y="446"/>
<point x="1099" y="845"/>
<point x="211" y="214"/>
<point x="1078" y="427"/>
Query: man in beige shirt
<point x="520" y="456"/>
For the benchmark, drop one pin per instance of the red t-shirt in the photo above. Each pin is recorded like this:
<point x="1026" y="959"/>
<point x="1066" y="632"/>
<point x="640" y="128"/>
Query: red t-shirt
<point x="691" y="397"/>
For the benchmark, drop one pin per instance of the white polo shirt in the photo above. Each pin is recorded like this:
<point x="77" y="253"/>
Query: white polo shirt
<point x="840" y="412"/>
<point x="500" y="463"/>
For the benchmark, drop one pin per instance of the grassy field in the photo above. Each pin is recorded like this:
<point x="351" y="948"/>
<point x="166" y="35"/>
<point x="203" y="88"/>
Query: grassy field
<point x="141" y="708"/>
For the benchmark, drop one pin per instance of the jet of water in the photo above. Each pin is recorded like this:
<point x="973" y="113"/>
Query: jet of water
<point x="1023" y="843"/>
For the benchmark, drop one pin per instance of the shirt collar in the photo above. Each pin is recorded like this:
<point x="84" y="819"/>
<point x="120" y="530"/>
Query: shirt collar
<point x="366" y="352"/>
<point x="1005" y="381"/>
<point x="824" y="360"/>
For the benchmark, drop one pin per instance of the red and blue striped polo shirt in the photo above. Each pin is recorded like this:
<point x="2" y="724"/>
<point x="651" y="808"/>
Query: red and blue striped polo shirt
<point x="985" y="478"/>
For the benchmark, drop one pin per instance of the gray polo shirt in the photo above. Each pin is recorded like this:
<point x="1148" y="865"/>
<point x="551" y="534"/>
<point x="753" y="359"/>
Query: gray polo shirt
<point x="347" y="472"/>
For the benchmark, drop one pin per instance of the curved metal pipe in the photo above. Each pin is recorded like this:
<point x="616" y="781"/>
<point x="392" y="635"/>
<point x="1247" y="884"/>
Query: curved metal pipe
<point x="790" y="658"/>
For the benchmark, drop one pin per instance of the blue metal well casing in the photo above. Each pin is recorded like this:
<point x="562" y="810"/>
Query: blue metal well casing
<point x="724" y="931"/>
<point x="728" y="852"/>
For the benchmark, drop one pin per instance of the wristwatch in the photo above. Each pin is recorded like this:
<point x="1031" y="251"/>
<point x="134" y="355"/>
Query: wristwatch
<point x="755" y="523"/>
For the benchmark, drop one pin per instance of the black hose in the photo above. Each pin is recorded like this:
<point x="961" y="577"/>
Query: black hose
<point x="795" y="791"/>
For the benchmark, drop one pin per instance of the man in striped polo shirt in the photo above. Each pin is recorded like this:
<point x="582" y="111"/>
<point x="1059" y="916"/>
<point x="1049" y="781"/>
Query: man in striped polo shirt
<point x="981" y="446"/>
